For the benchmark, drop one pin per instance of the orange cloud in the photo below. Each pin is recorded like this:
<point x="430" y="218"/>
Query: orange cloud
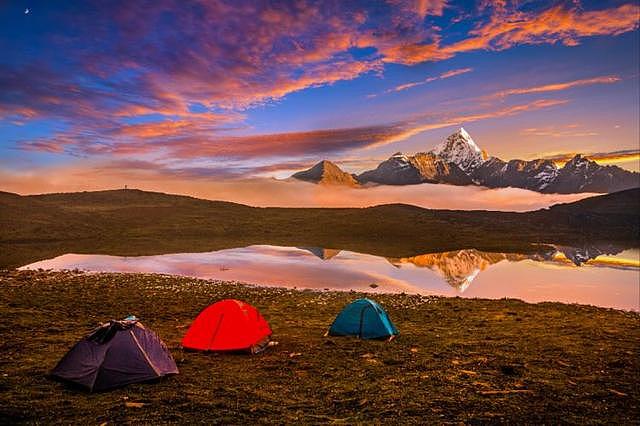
<point x="189" y="123"/>
<point x="413" y="53"/>
<point x="453" y="73"/>
<point x="614" y="157"/>
<point x="167" y="140"/>
<point x="233" y="56"/>
<point x="154" y="130"/>
<point x="555" y="87"/>
<point x="555" y="25"/>
<point x="508" y="28"/>
<point x="321" y="75"/>
<point x="571" y="130"/>
<point x="468" y="118"/>
<point x="447" y="74"/>
<point x="292" y="143"/>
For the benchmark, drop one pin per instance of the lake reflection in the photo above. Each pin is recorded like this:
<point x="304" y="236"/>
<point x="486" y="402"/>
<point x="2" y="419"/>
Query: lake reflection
<point x="596" y="276"/>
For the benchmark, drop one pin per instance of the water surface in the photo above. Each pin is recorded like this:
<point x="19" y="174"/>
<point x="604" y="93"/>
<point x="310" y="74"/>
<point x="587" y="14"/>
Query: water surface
<point x="565" y="274"/>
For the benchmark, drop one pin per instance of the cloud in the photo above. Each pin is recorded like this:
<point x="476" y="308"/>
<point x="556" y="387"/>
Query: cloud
<point x="271" y="192"/>
<point x="421" y="8"/>
<point x="571" y="130"/>
<point x="453" y="73"/>
<point x="500" y="6"/>
<point x="158" y="140"/>
<point x="444" y="75"/>
<point x="556" y="87"/>
<point x="192" y="123"/>
<point x="126" y="61"/>
<point x="557" y="24"/>
<point x="612" y="157"/>
<point x="150" y="139"/>
<point x="235" y="55"/>
<point x="457" y="120"/>
<point x="508" y="27"/>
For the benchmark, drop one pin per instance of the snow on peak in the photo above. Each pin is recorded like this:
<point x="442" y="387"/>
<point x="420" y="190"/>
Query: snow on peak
<point x="461" y="149"/>
<point x="578" y="160"/>
<point x="399" y="156"/>
<point x="467" y="137"/>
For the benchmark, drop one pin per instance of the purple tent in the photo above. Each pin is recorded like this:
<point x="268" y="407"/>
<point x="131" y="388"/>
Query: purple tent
<point x="116" y="354"/>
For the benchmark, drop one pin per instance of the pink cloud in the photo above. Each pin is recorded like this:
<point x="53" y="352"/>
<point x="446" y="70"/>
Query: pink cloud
<point x="169" y="141"/>
<point x="133" y="59"/>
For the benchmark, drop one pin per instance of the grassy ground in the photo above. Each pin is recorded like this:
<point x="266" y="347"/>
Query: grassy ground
<point x="456" y="360"/>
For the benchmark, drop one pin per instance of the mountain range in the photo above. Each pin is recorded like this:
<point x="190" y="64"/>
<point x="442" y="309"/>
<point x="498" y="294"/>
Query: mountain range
<point x="458" y="160"/>
<point x="459" y="268"/>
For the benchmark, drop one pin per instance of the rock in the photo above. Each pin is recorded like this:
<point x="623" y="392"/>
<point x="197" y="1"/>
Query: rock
<point x="134" y="404"/>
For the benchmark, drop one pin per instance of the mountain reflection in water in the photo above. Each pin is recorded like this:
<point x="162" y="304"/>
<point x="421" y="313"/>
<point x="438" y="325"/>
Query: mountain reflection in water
<point x="599" y="275"/>
<point x="459" y="268"/>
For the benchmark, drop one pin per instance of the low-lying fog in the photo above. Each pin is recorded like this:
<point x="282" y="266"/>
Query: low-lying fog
<point x="267" y="192"/>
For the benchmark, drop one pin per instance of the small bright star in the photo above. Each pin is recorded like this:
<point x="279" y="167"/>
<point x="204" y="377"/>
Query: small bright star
<point x="26" y="11"/>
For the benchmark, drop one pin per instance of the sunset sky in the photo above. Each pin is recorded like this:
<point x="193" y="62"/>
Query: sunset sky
<point x="98" y="94"/>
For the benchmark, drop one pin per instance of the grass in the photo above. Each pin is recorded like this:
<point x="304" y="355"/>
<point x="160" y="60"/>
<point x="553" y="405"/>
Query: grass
<point x="455" y="361"/>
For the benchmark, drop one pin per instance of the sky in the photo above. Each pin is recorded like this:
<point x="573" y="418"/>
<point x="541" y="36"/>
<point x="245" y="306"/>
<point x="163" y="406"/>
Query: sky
<point x="173" y="95"/>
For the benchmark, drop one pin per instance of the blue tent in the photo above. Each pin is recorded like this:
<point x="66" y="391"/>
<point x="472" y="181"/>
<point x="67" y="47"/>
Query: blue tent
<point x="363" y="318"/>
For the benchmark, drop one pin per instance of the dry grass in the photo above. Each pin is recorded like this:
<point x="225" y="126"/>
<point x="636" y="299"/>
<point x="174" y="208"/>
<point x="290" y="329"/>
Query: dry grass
<point x="456" y="360"/>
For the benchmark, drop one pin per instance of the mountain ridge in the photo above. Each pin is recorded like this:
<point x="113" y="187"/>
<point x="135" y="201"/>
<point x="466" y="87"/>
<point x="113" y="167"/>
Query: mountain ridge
<point x="458" y="160"/>
<point x="423" y="167"/>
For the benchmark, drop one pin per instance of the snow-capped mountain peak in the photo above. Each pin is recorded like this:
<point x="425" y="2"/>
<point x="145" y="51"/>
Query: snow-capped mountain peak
<point x="467" y="137"/>
<point x="461" y="149"/>
<point x="578" y="161"/>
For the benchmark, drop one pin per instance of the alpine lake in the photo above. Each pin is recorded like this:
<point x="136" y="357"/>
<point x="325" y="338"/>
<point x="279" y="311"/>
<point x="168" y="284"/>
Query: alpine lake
<point x="604" y="276"/>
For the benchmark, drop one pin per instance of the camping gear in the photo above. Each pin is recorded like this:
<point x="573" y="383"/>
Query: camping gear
<point x="116" y="354"/>
<point x="365" y="319"/>
<point x="228" y="325"/>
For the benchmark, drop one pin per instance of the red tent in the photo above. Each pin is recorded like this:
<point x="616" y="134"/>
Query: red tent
<point x="228" y="325"/>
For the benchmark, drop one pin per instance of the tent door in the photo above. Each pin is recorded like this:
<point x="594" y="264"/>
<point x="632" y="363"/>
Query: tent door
<point x="215" y="332"/>
<point x="144" y="353"/>
<point x="362" y="320"/>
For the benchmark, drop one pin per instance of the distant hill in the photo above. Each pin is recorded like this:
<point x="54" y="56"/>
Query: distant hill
<point x="458" y="160"/>
<point x="325" y="172"/>
<point x="132" y="222"/>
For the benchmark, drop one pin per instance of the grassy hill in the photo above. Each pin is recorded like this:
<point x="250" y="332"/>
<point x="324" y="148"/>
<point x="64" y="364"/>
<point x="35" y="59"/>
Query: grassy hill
<point x="133" y="222"/>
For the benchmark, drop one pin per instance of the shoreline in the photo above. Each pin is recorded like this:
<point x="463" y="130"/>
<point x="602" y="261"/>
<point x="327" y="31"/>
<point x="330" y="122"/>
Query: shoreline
<point x="455" y="360"/>
<point x="259" y="286"/>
